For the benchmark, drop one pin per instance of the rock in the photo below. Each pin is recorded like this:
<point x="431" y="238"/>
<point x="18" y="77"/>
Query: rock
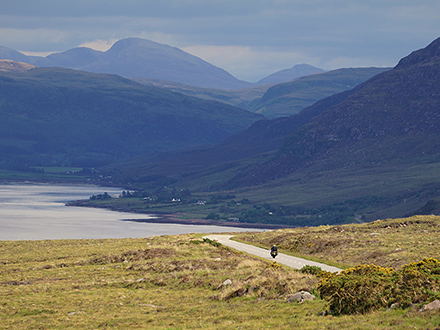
<point x="225" y="283"/>
<point x="393" y="306"/>
<point x="300" y="297"/>
<point x="432" y="306"/>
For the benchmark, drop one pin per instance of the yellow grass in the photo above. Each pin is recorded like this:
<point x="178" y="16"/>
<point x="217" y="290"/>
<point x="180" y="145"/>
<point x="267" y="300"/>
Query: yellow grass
<point x="167" y="282"/>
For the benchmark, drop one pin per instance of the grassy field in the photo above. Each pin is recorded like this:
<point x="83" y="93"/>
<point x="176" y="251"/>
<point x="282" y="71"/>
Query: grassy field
<point x="386" y="243"/>
<point x="175" y="282"/>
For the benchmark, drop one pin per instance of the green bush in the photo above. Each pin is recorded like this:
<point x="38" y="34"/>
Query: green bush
<point x="368" y="287"/>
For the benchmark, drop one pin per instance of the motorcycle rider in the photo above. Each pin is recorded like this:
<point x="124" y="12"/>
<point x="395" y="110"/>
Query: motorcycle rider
<point x="273" y="250"/>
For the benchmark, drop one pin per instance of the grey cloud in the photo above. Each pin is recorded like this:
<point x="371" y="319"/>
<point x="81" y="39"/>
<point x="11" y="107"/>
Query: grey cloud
<point x="370" y="31"/>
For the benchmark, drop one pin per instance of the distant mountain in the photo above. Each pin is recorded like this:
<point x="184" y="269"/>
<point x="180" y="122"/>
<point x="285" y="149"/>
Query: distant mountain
<point x="52" y="116"/>
<point x="10" y="54"/>
<point x="140" y="58"/>
<point x="76" y="58"/>
<point x="290" y="98"/>
<point x="286" y="75"/>
<point x="239" y="97"/>
<point x="283" y="99"/>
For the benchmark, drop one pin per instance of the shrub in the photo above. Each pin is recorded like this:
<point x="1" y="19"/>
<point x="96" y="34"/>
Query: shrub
<point x="369" y="287"/>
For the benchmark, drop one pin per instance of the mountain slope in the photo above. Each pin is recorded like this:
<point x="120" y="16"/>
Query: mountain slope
<point x="290" y="98"/>
<point x="60" y="116"/>
<point x="392" y="118"/>
<point x="10" y="54"/>
<point x="140" y="58"/>
<point x="262" y="138"/>
<point x="12" y="66"/>
<point x="286" y="75"/>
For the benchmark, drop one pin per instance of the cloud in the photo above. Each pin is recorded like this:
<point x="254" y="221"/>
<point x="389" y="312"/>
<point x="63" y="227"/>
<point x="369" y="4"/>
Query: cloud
<point x="101" y="45"/>
<point x="248" y="38"/>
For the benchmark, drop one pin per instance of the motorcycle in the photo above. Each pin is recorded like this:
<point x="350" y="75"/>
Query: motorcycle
<point x="273" y="253"/>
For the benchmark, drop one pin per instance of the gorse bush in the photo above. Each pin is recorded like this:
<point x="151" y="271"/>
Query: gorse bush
<point x="368" y="287"/>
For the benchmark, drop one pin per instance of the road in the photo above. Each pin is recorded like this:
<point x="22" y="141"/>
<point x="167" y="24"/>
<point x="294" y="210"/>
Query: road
<point x="282" y="258"/>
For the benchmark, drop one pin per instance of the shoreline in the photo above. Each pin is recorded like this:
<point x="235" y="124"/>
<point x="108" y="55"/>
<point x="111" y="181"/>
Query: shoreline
<point x="172" y="219"/>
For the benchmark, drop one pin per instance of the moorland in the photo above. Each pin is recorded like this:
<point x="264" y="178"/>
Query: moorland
<point x="175" y="282"/>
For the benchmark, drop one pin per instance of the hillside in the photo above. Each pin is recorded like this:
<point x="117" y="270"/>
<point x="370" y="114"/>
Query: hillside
<point x="289" y="98"/>
<point x="238" y="98"/>
<point x="286" y="75"/>
<point x="12" y="66"/>
<point x="65" y="117"/>
<point x="380" y="143"/>
<point x="262" y="137"/>
<point x="282" y="99"/>
<point x="392" y="118"/>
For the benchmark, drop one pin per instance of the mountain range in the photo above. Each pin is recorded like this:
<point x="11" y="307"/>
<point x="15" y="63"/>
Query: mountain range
<point x="378" y="142"/>
<point x="55" y="116"/>
<point x="279" y="100"/>
<point x="141" y="58"/>
<point x="159" y="65"/>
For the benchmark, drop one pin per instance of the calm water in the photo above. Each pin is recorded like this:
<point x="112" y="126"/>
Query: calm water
<point x="37" y="211"/>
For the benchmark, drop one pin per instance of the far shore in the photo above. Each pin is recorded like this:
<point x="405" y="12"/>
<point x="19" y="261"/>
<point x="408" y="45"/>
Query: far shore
<point x="163" y="217"/>
<point x="171" y="218"/>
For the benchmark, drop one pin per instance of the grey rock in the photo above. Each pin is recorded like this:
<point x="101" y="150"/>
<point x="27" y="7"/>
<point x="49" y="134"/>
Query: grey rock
<point x="225" y="283"/>
<point x="432" y="306"/>
<point x="300" y="297"/>
<point x="393" y="306"/>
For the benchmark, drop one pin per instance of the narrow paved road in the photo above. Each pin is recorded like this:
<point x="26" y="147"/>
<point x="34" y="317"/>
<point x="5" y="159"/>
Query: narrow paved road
<point x="282" y="258"/>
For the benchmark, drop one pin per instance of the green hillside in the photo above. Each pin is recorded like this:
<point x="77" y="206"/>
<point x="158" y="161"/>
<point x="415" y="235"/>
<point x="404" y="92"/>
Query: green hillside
<point x="381" y="141"/>
<point x="52" y="116"/>
<point x="290" y="98"/>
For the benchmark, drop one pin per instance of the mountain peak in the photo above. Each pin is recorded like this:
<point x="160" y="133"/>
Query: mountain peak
<point x="430" y="53"/>
<point x="141" y="58"/>
<point x="135" y="42"/>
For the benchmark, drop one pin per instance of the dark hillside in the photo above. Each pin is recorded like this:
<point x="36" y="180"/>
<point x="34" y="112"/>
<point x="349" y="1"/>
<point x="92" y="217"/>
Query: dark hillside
<point x="290" y="98"/>
<point x="264" y="136"/>
<point x="393" y="118"/>
<point x="59" y="116"/>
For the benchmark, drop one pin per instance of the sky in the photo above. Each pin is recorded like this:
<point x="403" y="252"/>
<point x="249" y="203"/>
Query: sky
<point x="248" y="38"/>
